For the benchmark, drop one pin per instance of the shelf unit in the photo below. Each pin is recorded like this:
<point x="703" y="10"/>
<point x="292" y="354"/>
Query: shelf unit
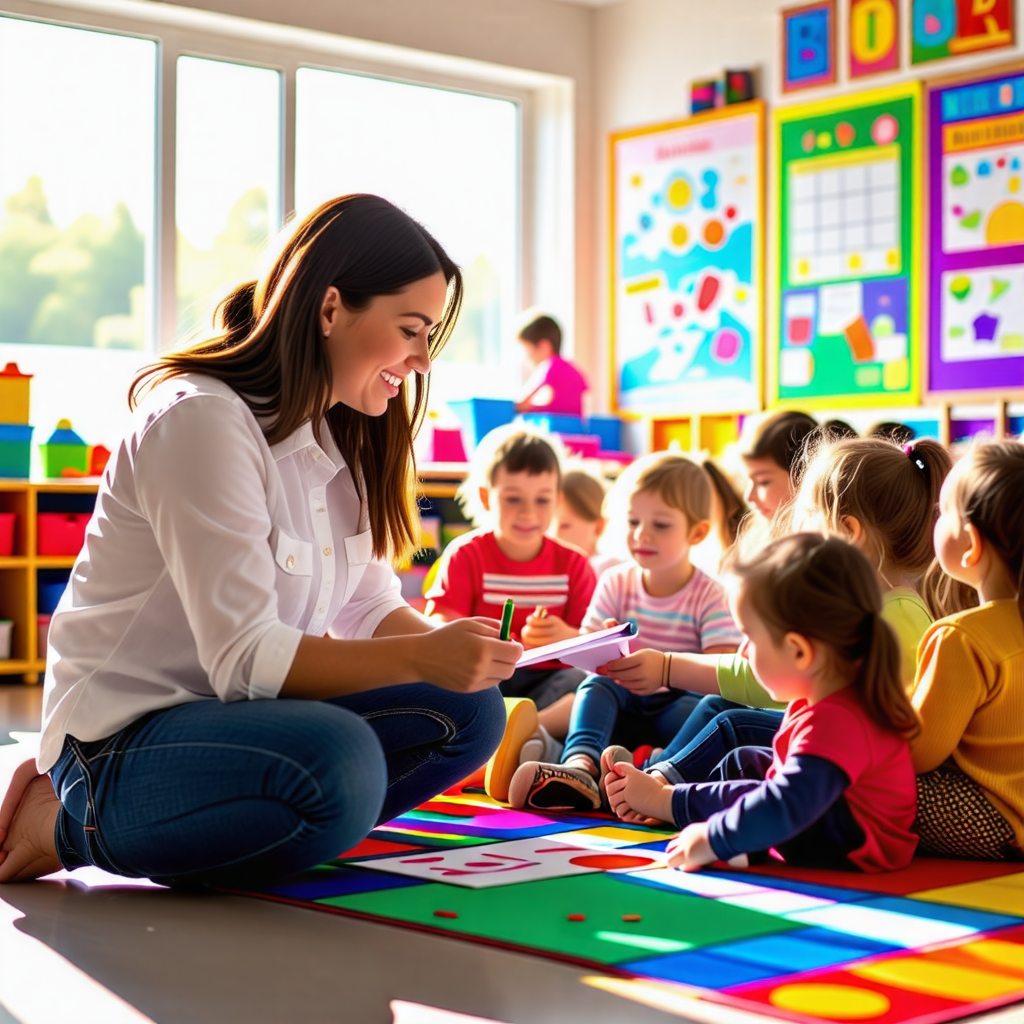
<point x="19" y="573"/>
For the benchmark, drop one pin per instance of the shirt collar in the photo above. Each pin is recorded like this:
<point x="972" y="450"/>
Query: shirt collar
<point x="303" y="438"/>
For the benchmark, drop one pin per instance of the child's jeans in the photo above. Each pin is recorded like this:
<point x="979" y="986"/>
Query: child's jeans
<point x="244" y="793"/>
<point x="605" y="713"/>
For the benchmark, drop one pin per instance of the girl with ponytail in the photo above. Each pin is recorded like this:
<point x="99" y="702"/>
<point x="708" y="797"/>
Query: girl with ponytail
<point x="969" y="690"/>
<point x="837" y="787"/>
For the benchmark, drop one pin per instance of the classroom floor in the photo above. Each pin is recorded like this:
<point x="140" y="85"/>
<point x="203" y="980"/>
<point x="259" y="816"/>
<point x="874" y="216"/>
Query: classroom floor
<point x="88" y="946"/>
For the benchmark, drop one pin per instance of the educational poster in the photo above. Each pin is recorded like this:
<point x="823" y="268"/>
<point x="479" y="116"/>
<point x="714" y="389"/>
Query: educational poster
<point x="874" y="37"/>
<point x="848" y="200"/>
<point x="809" y="45"/>
<point x="687" y="274"/>
<point x="954" y="28"/>
<point x="976" y="219"/>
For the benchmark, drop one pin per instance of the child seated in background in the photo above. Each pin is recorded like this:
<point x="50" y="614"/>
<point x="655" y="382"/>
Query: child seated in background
<point x="773" y="448"/>
<point x="837" y="790"/>
<point x="969" y="690"/>
<point x="556" y="385"/>
<point x="580" y="518"/>
<point x="510" y="494"/>
<point x="675" y="607"/>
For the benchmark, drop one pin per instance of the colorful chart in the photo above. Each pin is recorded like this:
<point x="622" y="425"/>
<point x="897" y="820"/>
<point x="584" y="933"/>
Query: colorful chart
<point x="952" y="28"/>
<point x="976" y="215"/>
<point x="848" y="250"/>
<point x="687" y="274"/>
<point x="938" y="941"/>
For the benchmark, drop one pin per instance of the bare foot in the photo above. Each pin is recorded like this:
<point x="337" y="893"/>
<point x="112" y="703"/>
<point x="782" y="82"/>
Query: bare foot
<point x="636" y="796"/>
<point x="29" y="850"/>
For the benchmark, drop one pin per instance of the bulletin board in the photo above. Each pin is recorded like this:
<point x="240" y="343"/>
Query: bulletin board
<point x="687" y="268"/>
<point x="976" y="231"/>
<point x="848" y="198"/>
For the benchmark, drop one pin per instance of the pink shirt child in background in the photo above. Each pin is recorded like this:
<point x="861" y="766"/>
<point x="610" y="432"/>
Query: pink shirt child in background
<point x="556" y="385"/>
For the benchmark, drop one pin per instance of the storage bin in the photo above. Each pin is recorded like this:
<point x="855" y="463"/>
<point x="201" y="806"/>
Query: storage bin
<point x="42" y="634"/>
<point x="555" y="423"/>
<point x="6" y="634"/>
<point x="585" y="446"/>
<point x="48" y="595"/>
<point x="15" y="449"/>
<point x="60" y="533"/>
<point x="478" y="416"/>
<point x="8" y="522"/>
<point x="609" y="430"/>
<point x="64" y="450"/>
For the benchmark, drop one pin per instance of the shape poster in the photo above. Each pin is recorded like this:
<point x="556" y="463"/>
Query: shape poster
<point x="687" y="263"/>
<point x="848" y="180"/>
<point x="955" y="28"/>
<point x="976" y="221"/>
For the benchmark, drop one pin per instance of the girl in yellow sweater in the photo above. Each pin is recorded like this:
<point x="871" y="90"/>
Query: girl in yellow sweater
<point x="969" y="689"/>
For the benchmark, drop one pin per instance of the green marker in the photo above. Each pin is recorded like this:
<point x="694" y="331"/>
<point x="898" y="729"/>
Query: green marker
<point x="506" y="620"/>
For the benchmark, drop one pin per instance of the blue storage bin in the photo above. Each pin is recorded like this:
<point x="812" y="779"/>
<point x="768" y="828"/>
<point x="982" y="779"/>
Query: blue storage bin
<point x="609" y="430"/>
<point x="48" y="595"/>
<point x="15" y="449"/>
<point x="478" y="416"/>
<point x="556" y="423"/>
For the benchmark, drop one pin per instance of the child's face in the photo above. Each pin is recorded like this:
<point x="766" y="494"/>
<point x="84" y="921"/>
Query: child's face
<point x="659" y="536"/>
<point x="769" y="485"/>
<point x="522" y="506"/>
<point x="773" y="661"/>
<point x="571" y="528"/>
<point x="536" y="352"/>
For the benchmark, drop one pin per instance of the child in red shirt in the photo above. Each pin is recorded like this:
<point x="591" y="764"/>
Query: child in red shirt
<point x="837" y="788"/>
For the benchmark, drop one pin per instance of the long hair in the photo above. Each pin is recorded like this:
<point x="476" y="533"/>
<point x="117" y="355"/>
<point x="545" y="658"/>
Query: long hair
<point x="826" y="590"/>
<point x="269" y="347"/>
<point x="989" y="494"/>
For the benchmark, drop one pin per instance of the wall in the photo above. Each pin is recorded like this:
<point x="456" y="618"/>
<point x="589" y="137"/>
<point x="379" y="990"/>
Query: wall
<point x="648" y="51"/>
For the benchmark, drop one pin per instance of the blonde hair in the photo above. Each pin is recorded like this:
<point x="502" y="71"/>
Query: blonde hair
<point x="679" y="481"/>
<point x="516" y="448"/>
<point x="893" y="492"/>
<point x="825" y="589"/>
<point x="584" y="493"/>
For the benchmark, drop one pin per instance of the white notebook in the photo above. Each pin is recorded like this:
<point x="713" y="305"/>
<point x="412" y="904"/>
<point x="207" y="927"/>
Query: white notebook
<point x="588" y="651"/>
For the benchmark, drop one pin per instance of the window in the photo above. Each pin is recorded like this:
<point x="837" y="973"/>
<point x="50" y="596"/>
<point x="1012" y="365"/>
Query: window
<point x="227" y="180"/>
<point x="77" y="113"/>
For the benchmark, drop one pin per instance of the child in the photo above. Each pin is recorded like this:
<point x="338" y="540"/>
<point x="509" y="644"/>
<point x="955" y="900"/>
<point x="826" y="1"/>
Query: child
<point x="580" y="518"/>
<point x="513" y="487"/>
<point x="772" y="458"/>
<point x="675" y="606"/>
<point x="555" y="385"/>
<point x="837" y="789"/>
<point x="969" y="691"/>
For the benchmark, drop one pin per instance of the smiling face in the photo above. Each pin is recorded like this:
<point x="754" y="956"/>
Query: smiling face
<point x="372" y="351"/>
<point x="659" y="535"/>
<point x="769" y="485"/>
<point x="522" y="506"/>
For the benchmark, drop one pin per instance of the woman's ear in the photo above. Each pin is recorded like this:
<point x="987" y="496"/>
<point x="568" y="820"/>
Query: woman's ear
<point x="330" y="309"/>
<point x="801" y="650"/>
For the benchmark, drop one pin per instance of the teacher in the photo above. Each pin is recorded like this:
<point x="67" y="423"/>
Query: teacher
<point x="235" y="688"/>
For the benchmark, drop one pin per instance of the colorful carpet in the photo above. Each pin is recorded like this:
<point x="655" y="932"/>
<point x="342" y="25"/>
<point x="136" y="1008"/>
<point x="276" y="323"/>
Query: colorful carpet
<point x="939" y="941"/>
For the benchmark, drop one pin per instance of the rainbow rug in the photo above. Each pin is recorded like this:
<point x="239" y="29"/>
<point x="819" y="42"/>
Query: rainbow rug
<point x="938" y="941"/>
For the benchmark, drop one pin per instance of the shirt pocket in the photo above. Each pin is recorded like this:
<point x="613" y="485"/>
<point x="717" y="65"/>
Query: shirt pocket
<point x="294" y="575"/>
<point x="359" y="554"/>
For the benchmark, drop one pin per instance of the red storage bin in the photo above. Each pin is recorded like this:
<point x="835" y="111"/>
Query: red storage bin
<point x="7" y="523"/>
<point x="61" y="533"/>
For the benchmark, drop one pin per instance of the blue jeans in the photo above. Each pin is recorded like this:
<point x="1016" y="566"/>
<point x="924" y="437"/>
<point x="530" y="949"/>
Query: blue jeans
<point x="245" y="793"/>
<point x="604" y="713"/>
<point x="696" y="760"/>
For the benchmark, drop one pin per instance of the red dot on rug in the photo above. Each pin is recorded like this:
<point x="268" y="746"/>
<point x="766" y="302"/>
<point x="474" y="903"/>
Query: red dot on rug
<point x="445" y="913"/>
<point x="631" y="917"/>
<point x="610" y="861"/>
<point x="576" y="917"/>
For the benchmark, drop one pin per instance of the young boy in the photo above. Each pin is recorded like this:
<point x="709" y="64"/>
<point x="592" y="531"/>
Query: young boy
<point x="556" y="385"/>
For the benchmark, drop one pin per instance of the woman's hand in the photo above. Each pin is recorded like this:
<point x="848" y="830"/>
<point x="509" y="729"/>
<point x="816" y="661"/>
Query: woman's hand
<point x="640" y="672"/>
<point x="466" y="655"/>
<point x="546" y="629"/>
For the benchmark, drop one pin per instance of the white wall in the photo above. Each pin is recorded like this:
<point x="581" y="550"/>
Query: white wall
<point x="647" y="52"/>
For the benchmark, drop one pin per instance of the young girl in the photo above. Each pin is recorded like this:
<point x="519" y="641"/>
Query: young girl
<point x="969" y="691"/>
<point x="771" y="458"/>
<point x="837" y="790"/>
<point x="674" y="605"/>
<point x="580" y="519"/>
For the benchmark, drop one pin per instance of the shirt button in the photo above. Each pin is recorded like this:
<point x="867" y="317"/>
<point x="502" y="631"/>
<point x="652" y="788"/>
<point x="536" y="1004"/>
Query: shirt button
<point x="328" y="550"/>
<point x="320" y="611"/>
<point x="321" y="511"/>
<point x="290" y="563"/>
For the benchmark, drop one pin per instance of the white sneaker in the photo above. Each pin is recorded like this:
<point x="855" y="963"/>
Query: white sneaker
<point x="541" y="746"/>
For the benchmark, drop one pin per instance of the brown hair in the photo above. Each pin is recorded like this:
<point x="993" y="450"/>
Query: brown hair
<point x="780" y="436"/>
<point x="825" y="589"/>
<point x="584" y="493"/>
<point x="269" y="347"/>
<point x="543" y="328"/>
<point x="893" y="492"/>
<point x="734" y="508"/>
<point x="677" y="479"/>
<point x="989" y="494"/>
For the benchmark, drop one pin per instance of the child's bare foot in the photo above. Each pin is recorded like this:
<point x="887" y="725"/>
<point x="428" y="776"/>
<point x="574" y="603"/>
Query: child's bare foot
<point x="638" y="797"/>
<point x="29" y="850"/>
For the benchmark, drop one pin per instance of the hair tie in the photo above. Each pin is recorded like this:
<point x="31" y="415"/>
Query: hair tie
<point x="908" y="450"/>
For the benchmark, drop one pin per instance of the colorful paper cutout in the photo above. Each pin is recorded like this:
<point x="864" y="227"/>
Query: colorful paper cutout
<point x="950" y="28"/>
<point x="808" y="45"/>
<point x="874" y="37"/>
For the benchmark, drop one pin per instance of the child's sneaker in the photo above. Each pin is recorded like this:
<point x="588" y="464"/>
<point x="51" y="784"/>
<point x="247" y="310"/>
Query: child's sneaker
<point x="520" y="724"/>
<point x="541" y="746"/>
<point x="554" y="787"/>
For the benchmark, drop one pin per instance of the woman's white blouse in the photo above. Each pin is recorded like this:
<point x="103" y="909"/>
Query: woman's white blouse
<point x="209" y="555"/>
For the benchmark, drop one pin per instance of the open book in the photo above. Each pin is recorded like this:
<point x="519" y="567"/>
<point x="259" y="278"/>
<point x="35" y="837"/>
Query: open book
<point x="588" y="651"/>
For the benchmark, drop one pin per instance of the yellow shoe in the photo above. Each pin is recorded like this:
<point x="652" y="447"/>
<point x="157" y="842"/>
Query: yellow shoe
<point x="520" y="724"/>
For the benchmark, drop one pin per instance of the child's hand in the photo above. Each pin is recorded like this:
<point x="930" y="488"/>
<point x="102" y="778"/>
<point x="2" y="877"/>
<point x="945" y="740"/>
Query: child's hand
<point x="691" y="849"/>
<point x="467" y="655"/>
<point x="545" y="629"/>
<point x="635" y="796"/>
<point x="640" y="672"/>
